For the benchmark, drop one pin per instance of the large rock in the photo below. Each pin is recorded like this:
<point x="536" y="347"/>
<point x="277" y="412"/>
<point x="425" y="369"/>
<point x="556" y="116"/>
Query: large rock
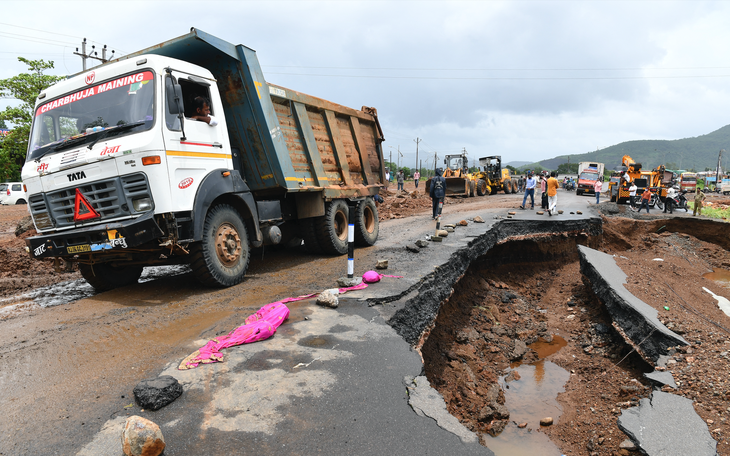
<point x="142" y="437"/>
<point x="155" y="393"/>
<point x="667" y="425"/>
<point x="328" y="299"/>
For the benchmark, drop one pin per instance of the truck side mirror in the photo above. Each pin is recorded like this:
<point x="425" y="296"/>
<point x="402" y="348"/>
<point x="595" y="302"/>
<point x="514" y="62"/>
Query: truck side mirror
<point x="173" y="93"/>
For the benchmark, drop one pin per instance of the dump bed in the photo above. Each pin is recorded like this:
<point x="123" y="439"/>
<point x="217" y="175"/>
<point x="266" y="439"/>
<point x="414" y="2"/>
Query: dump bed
<point x="285" y="141"/>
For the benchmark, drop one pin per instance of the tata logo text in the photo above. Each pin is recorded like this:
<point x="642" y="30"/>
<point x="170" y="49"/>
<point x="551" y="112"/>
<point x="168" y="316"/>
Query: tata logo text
<point x="43" y="167"/>
<point x="185" y="183"/>
<point x="109" y="150"/>
<point x="76" y="176"/>
<point x="90" y="77"/>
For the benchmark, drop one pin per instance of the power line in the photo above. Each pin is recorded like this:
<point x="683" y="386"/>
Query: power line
<point x="490" y="69"/>
<point x="575" y="78"/>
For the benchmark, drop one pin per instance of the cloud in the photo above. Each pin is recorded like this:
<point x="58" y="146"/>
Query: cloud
<point x="527" y="80"/>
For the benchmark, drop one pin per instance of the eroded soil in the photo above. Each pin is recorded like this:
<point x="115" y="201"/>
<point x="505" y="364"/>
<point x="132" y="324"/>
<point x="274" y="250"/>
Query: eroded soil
<point x="528" y="290"/>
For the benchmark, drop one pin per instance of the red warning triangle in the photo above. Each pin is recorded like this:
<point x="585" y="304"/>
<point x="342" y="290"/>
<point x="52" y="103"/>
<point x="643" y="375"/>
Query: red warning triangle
<point x="83" y="209"/>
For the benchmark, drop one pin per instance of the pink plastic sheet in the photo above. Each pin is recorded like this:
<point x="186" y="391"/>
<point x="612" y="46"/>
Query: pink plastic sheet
<point x="258" y="326"/>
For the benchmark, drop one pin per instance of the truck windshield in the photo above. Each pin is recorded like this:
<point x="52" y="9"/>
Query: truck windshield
<point x="588" y="176"/>
<point x="120" y="106"/>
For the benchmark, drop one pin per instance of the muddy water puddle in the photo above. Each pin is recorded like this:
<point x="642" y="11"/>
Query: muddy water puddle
<point x="74" y="290"/>
<point x="531" y="397"/>
<point x="719" y="275"/>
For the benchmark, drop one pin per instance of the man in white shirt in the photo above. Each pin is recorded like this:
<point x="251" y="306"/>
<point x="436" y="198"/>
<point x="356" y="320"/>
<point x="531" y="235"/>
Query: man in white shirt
<point x="669" y="201"/>
<point x="632" y="196"/>
<point x="530" y="185"/>
<point x="202" y="111"/>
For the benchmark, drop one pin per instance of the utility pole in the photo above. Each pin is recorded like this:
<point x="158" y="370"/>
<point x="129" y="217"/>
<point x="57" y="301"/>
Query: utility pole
<point x="93" y="54"/>
<point x="718" y="171"/>
<point x="435" y="161"/>
<point x="417" y="140"/>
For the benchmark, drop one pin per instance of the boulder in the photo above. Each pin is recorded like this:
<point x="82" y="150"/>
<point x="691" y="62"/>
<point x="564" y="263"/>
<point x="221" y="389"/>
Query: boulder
<point x="142" y="437"/>
<point x="540" y="212"/>
<point x="328" y="299"/>
<point x="478" y="219"/>
<point x="412" y="248"/>
<point x="381" y="264"/>
<point x="449" y="229"/>
<point x="347" y="282"/>
<point x="519" y="350"/>
<point x="442" y="233"/>
<point x="547" y="421"/>
<point x="421" y="243"/>
<point x="463" y="223"/>
<point x="155" y="393"/>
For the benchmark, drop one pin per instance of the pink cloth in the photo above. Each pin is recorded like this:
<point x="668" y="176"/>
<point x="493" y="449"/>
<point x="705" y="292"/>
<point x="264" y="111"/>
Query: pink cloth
<point x="258" y="326"/>
<point x="372" y="277"/>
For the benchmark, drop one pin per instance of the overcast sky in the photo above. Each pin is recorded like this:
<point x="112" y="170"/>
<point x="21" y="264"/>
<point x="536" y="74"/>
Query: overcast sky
<point x="527" y="80"/>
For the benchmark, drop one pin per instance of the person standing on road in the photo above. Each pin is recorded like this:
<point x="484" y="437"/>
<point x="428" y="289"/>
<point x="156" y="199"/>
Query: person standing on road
<point x="387" y="178"/>
<point x="401" y="179"/>
<point x="632" y="196"/>
<point x="597" y="189"/>
<point x="552" y="192"/>
<point x="437" y="192"/>
<point x="416" y="177"/>
<point x="645" y="197"/>
<point x="520" y="184"/>
<point x="669" y="201"/>
<point x="543" y="192"/>
<point x="530" y="185"/>
<point x="699" y="198"/>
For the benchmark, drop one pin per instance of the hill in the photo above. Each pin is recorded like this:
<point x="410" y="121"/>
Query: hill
<point x="690" y="153"/>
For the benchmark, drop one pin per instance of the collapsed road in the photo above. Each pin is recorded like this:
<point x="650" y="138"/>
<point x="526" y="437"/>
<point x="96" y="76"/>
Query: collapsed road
<point x="339" y="381"/>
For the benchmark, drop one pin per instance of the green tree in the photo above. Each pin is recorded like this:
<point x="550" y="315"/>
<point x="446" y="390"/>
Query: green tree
<point x="24" y="87"/>
<point x="3" y="125"/>
<point x="568" y="168"/>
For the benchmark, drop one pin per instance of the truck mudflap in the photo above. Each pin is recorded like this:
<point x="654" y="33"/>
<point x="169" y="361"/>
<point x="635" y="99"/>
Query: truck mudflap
<point x="97" y="238"/>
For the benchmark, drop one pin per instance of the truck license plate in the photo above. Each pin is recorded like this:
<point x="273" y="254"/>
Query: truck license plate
<point x="78" y="248"/>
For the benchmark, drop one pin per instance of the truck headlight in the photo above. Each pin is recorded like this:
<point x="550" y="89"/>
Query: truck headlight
<point x="142" y="204"/>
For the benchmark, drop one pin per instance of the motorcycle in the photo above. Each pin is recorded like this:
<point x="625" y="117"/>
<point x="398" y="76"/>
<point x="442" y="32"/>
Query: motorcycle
<point x="570" y="186"/>
<point x="656" y="201"/>
<point x="680" y="201"/>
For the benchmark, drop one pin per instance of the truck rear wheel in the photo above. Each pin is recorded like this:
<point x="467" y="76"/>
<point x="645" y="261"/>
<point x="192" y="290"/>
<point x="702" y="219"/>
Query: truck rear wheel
<point x="472" y="188"/>
<point x="514" y="186"/>
<point x="221" y="258"/>
<point x="104" y="276"/>
<point x="332" y="228"/>
<point x="482" y="187"/>
<point x="366" y="223"/>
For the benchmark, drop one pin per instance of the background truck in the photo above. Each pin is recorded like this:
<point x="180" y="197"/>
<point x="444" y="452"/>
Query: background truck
<point x="657" y="180"/>
<point x="120" y="175"/>
<point x="588" y="174"/>
<point x="688" y="181"/>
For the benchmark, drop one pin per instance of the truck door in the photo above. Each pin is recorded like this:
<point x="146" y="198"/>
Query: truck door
<point x="204" y="147"/>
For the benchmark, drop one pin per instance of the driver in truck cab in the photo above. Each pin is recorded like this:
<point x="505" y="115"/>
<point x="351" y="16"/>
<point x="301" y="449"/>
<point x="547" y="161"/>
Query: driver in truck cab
<point x="202" y="111"/>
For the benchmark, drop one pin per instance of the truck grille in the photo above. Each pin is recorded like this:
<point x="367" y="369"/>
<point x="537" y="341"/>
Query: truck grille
<point x="112" y="198"/>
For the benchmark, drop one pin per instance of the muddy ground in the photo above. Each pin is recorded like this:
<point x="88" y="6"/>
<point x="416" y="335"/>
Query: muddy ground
<point x="527" y="291"/>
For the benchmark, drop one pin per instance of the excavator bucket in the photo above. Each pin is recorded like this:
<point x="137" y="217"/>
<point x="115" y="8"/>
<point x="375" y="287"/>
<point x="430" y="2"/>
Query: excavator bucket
<point x="456" y="186"/>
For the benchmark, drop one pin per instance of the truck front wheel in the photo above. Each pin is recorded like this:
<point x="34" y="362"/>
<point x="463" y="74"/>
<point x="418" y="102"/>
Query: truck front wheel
<point x="482" y="187"/>
<point x="104" y="276"/>
<point x="366" y="223"/>
<point x="332" y="228"/>
<point x="221" y="258"/>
